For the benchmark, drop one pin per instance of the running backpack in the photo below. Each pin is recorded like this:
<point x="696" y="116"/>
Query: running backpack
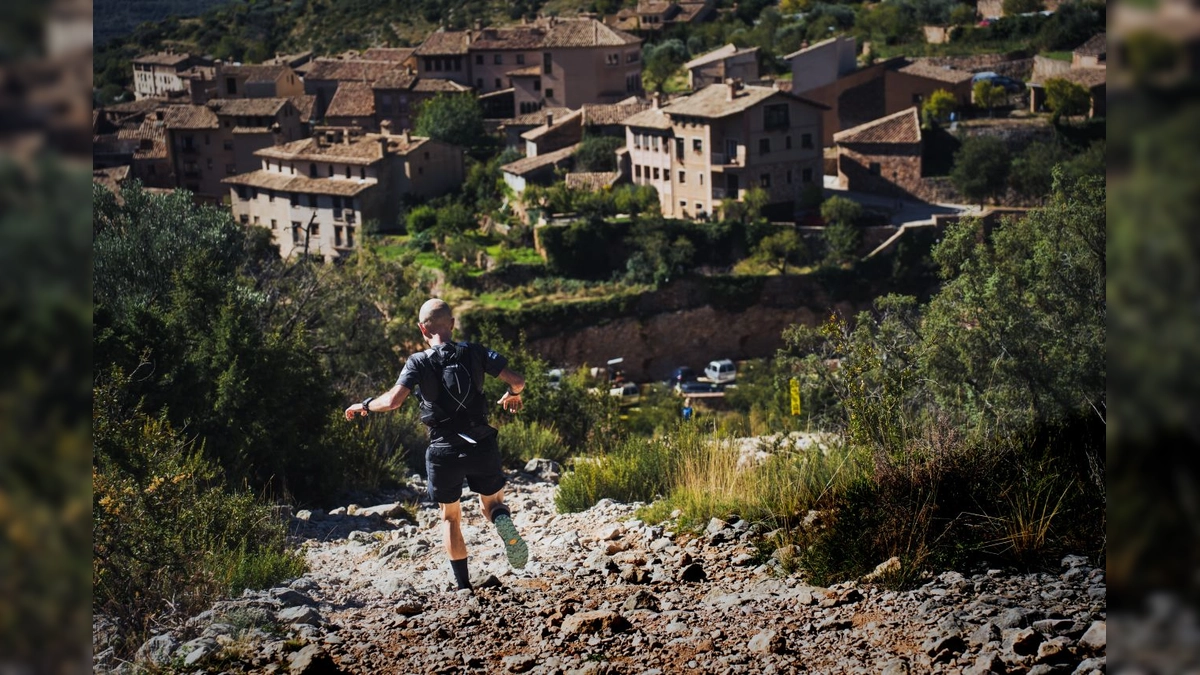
<point x="457" y="402"/>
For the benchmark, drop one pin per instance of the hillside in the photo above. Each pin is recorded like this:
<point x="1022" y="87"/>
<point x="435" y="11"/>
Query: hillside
<point x="116" y="18"/>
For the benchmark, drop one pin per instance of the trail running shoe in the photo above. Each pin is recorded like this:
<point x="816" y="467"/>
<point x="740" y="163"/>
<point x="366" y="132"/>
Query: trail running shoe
<point x="514" y="545"/>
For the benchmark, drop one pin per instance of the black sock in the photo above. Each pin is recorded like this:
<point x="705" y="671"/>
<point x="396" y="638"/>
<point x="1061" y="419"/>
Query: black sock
<point x="461" y="575"/>
<point x="500" y="509"/>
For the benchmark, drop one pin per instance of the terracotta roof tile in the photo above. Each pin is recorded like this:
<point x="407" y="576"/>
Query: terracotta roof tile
<point x="393" y="54"/>
<point x="248" y="107"/>
<point x="713" y="101"/>
<point x="586" y="33"/>
<point x="255" y="73"/>
<point x="162" y="59"/>
<point x="396" y="79"/>
<point x="444" y="42"/>
<point x="439" y="85"/>
<point x="529" y="164"/>
<point x="141" y="106"/>
<point x="718" y="54"/>
<point x="190" y="117"/>
<point x="305" y="105"/>
<point x="592" y="181"/>
<point x="352" y="99"/>
<point x="568" y="124"/>
<point x="271" y="180"/>
<point x="690" y="11"/>
<point x="363" y="150"/>
<point x="927" y="70"/>
<point x="612" y="113"/>
<point x="512" y="37"/>
<point x="652" y="118"/>
<point x="1087" y="77"/>
<point x="536" y="117"/>
<point x="900" y="127"/>
<point x="1096" y="46"/>
<point x="360" y="70"/>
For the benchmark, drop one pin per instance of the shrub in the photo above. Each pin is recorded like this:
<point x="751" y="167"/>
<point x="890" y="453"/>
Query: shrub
<point x="1066" y="98"/>
<point x="596" y="153"/>
<point x="637" y="470"/>
<point x="939" y="106"/>
<point x="521" y="441"/>
<point x="981" y="168"/>
<point x="166" y="534"/>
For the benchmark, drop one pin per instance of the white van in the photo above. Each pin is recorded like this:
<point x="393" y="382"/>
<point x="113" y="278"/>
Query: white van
<point x="721" y="371"/>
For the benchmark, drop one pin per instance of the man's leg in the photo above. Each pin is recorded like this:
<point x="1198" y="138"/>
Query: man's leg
<point x="456" y="548"/>
<point x="496" y="511"/>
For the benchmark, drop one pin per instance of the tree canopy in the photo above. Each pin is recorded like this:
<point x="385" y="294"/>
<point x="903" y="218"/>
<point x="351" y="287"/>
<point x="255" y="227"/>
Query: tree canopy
<point x="981" y="168"/>
<point x="452" y="118"/>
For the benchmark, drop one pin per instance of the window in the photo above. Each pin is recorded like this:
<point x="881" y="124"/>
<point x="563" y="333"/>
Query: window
<point x="637" y="170"/>
<point x="270" y="195"/>
<point x="917" y="98"/>
<point x="295" y="225"/>
<point x="314" y="229"/>
<point x="498" y="59"/>
<point x="787" y="143"/>
<point x="683" y="206"/>
<point x="497" y="83"/>
<point x="764" y="146"/>
<point x="295" y="235"/>
<point x="776" y="117"/>
<point x="656" y="174"/>
<point x="764" y="180"/>
<point x="654" y="143"/>
<point x="362" y="172"/>
<point x="429" y="63"/>
<point x="231" y="85"/>
<point x="806" y="175"/>
<point x="699" y="208"/>
<point x="549" y="93"/>
<point x="520" y="59"/>
<point x="245" y="219"/>
<point x="874" y="168"/>
<point x="331" y="171"/>
<point x="479" y="83"/>
<point x="537" y="85"/>
<point x="337" y="235"/>
<point x="350" y="237"/>
<point x="702" y="179"/>
<point x="679" y="148"/>
<point x="612" y="59"/>
<point x="209" y="163"/>
<point x="256" y="220"/>
<point x="633" y="57"/>
<point x="806" y="141"/>
<point x="697" y="145"/>
<point x="347" y="171"/>
<point x="547" y="63"/>
<point x="682" y="177"/>
<point x="479" y="59"/>
<point x="274" y="224"/>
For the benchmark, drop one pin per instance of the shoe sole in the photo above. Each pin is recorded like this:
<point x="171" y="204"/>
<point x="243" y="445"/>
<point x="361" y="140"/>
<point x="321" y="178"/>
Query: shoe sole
<point x="514" y="546"/>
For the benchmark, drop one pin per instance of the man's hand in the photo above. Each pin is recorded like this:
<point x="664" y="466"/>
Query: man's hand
<point x="510" y="402"/>
<point x="356" y="409"/>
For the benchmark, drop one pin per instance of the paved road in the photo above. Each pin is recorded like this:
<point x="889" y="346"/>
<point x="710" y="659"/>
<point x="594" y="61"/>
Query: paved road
<point x="903" y="210"/>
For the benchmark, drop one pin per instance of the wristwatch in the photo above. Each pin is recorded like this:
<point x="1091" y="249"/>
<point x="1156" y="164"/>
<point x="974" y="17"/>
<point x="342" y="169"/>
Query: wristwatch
<point x="515" y="393"/>
<point x="366" y="404"/>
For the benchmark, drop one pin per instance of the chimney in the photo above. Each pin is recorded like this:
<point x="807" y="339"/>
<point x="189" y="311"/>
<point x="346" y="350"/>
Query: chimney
<point x="478" y="24"/>
<point x="730" y="90"/>
<point x="656" y="100"/>
<point x="385" y="127"/>
<point x="549" y="119"/>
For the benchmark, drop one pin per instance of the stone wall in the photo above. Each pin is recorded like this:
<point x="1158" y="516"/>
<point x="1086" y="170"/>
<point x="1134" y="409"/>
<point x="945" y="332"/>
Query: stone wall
<point x="899" y="173"/>
<point x="1046" y="68"/>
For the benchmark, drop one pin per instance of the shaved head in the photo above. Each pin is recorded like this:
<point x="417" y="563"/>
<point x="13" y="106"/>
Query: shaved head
<point x="435" y="315"/>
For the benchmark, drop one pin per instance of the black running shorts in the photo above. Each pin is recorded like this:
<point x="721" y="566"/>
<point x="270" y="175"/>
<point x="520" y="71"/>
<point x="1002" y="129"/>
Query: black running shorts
<point x="447" y="464"/>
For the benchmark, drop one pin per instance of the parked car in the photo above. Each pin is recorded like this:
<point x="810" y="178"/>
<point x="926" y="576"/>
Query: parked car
<point x="627" y="393"/>
<point x="721" y="371"/>
<point x="1010" y="85"/>
<point x="680" y="375"/>
<point x="697" y="387"/>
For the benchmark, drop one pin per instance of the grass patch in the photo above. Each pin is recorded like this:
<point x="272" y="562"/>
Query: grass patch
<point x="1059" y="56"/>
<point x="521" y="441"/>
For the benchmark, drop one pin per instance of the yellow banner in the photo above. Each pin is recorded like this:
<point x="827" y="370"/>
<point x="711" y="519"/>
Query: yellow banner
<point x="794" y="389"/>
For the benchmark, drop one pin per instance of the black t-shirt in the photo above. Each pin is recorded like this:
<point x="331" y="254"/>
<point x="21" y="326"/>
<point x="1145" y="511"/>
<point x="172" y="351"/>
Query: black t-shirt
<point x="420" y="375"/>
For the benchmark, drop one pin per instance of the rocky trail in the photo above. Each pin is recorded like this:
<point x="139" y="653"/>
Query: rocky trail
<point x="606" y="593"/>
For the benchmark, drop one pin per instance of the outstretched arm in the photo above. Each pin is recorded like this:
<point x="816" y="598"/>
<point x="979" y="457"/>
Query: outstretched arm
<point x="390" y="400"/>
<point x="511" y="401"/>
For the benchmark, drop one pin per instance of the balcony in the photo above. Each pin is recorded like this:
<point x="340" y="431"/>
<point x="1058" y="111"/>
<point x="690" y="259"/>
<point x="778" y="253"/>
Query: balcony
<point x="722" y="193"/>
<point x="736" y="160"/>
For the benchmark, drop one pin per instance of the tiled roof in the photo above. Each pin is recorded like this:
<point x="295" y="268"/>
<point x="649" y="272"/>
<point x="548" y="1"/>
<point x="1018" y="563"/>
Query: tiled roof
<point x="653" y="6"/>
<point x="612" y="113"/>
<point x="536" y="117"/>
<point x="141" y="106"/>
<point x="570" y="120"/>
<point x="251" y="130"/>
<point x="585" y="33"/>
<point x="393" y="54"/>
<point x="151" y="137"/>
<point x="527" y="71"/>
<point x="190" y="117"/>
<point x="1096" y="46"/>
<point x="529" y="164"/>
<point x="247" y="107"/>
<point x="360" y="70"/>
<point x="900" y="127"/>
<point x="713" y="101"/>
<point x="162" y="59"/>
<point x="809" y="48"/>
<point x="255" y="73"/>
<point x="689" y="11"/>
<point x="396" y="79"/>
<point x="718" y="54"/>
<point x="921" y="68"/>
<point x="305" y="105"/>
<point x="511" y="37"/>
<point x="1087" y="77"/>
<point x="592" y="181"/>
<point x="352" y="99"/>
<point x="364" y="149"/>
<point x="271" y="180"/>
<point x="444" y="42"/>
<point x="437" y="84"/>
<point x="653" y="118"/>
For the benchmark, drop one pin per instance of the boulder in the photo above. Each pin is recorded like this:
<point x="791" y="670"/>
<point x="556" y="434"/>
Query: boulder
<point x="768" y="642"/>
<point x="693" y="573"/>
<point x="158" y="649"/>
<point x="312" y="660"/>
<point x="1095" y="638"/>
<point x="299" y="615"/>
<point x="394" y="510"/>
<point x="519" y="663"/>
<point x="641" y="599"/>
<point x="598" y="621"/>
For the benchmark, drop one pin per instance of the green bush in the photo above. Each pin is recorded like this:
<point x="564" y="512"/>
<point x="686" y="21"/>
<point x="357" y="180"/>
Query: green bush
<point x="638" y="469"/>
<point x="166" y="534"/>
<point x="521" y="441"/>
